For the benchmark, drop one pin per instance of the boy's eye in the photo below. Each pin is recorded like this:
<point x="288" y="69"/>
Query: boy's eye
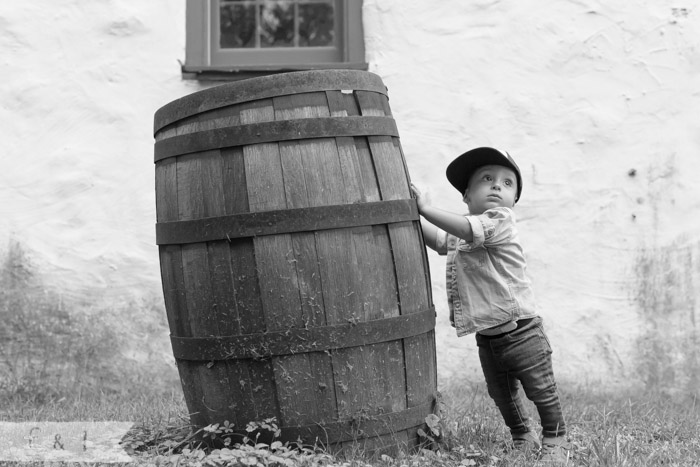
<point x="509" y="182"/>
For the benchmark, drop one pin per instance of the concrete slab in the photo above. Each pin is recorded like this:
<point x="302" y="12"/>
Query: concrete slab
<point x="92" y="442"/>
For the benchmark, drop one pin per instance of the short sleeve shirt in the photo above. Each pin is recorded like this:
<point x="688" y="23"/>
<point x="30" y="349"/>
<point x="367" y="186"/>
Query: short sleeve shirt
<point x="487" y="282"/>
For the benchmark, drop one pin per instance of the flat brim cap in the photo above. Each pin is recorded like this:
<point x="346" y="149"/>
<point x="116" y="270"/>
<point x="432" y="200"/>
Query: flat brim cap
<point x="461" y="169"/>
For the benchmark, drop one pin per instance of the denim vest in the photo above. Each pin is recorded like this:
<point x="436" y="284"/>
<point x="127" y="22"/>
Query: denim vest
<point x="487" y="283"/>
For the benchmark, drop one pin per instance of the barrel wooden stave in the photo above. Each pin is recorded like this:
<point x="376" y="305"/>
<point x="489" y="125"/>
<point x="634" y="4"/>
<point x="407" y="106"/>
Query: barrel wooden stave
<point x="317" y="281"/>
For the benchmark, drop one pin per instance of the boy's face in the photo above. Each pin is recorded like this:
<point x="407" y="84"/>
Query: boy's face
<point x="489" y="187"/>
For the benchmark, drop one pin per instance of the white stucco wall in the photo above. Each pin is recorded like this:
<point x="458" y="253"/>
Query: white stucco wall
<point x="598" y="104"/>
<point x="82" y="82"/>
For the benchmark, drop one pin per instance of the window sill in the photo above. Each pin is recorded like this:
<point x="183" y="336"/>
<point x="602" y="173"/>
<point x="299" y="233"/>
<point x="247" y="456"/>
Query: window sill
<point x="243" y="72"/>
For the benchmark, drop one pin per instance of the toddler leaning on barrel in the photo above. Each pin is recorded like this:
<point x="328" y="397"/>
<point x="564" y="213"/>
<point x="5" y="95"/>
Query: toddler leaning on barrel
<point x="490" y="294"/>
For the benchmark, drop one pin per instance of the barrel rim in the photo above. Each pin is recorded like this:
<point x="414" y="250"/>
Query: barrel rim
<point x="253" y="89"/>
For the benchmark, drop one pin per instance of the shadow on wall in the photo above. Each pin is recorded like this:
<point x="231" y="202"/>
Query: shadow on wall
<point x="667" y="296"/>
<point x="51" y="349"/>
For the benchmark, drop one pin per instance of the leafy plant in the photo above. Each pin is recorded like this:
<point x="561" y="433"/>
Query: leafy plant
<point x="249" y="452"/>
<point x="433" y="435"/>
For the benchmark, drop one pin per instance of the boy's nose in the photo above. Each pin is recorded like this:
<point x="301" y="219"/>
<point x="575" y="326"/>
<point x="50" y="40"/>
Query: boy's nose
<point x="496" y="186"/>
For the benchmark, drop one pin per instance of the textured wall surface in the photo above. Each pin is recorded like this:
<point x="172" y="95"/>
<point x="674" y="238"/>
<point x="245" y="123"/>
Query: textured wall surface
<point x="598" y="103"/>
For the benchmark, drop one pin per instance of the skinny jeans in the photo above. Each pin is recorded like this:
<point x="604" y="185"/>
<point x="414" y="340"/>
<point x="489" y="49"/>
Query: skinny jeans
<point x="522" y="358"/>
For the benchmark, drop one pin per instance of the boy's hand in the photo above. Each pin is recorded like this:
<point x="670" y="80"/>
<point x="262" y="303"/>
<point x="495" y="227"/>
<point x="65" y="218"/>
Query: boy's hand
<point x="421" y="199"/>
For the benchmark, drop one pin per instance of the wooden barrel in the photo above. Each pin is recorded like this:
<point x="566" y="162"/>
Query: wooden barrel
<point x="293" y="267"/>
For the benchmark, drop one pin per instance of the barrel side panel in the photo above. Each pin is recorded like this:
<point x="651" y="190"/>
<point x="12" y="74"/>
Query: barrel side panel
<point x="305" y="387"/>
<point x="172" y="275"/>
<point x="205" y="272"/>
<point x="409" y="262"/>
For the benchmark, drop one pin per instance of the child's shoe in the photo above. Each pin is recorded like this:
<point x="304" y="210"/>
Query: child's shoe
<point x="526" y="442"/>
<point x="555" y="451"/>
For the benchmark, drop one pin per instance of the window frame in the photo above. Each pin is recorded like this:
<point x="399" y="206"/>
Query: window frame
<point x="205" y="61"/>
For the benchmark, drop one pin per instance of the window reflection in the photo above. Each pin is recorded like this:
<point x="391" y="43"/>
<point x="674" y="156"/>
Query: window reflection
<point x="237" y="19"/>
<point x="316" y="24"/>
<point x="276" y="23"/>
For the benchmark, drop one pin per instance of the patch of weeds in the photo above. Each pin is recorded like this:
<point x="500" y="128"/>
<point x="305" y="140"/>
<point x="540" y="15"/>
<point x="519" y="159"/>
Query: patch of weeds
<point x="142" y="439"/>
<point x="184" y="447"/>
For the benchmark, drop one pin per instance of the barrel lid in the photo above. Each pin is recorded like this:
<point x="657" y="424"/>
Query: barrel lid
<point x="252" y="89"/>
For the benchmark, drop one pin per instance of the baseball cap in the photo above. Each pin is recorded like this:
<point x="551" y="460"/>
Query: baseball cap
<point x="461" y="169"/>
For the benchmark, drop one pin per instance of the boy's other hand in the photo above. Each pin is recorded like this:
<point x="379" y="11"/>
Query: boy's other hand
<point x="421" y="199"/>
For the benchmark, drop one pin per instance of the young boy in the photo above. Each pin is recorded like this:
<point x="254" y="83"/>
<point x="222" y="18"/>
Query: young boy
<point x="489" y="294"/>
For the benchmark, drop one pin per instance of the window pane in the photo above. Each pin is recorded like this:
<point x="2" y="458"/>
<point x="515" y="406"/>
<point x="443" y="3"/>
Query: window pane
<point x="277" y="24"/>
<point x="237" y="19"/>
<point x="316" y="25"/>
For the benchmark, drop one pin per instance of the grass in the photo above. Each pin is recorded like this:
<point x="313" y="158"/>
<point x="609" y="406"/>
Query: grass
<point x="55" y="357"/>
<point x="622" y="428"/>
<point x="606" y="429"/>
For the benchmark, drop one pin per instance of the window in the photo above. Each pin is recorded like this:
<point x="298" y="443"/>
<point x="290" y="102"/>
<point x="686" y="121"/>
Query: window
<point x="234" y="39"/>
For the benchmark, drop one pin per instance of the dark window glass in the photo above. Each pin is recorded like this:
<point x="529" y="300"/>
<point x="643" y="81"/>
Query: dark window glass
<point x="316" y="26"/>
<point x="276" y="23"/>
<point x="237" y="24"/>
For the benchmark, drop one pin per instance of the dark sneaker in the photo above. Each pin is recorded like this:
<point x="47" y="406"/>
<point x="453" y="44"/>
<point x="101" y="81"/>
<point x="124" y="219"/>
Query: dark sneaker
<point x="555" y="451"/>
<point x="526" y="442"/>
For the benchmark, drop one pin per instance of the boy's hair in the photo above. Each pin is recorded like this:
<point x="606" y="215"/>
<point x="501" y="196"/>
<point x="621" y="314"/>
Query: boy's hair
<point x="463" y="167"/>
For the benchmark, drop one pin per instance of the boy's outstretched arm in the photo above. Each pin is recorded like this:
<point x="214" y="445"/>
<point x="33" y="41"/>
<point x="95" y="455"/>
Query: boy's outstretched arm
<point x="450" y="222"/>
<point x="429" y="234"/>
